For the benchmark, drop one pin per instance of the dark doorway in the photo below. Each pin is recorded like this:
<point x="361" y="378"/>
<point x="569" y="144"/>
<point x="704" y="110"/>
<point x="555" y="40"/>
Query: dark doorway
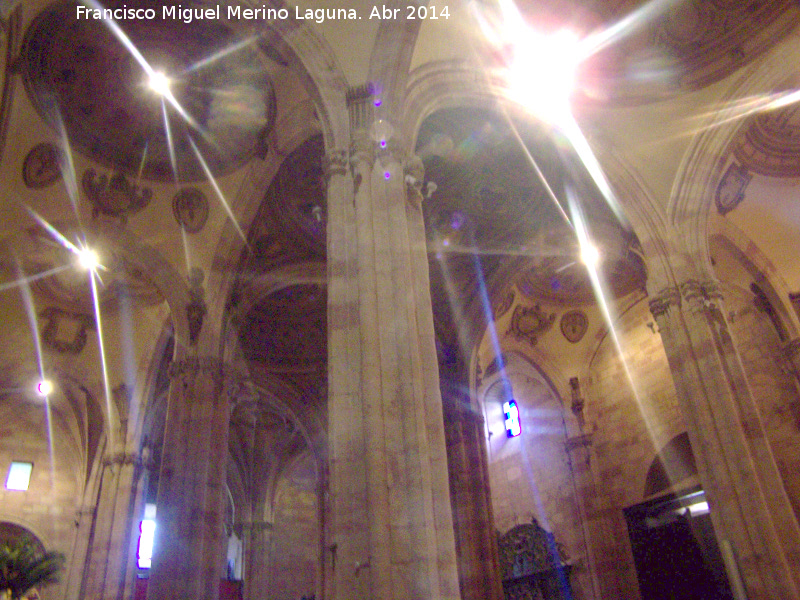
<point x="675" y="549"/>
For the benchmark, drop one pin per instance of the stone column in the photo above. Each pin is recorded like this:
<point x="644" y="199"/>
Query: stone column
<point x="189" y="537"/>
<point x="256" y="536"/>
<point x="749" y="506"/>
<point x="473" y="520"/>
<point x="391" y="529"/>
<point x="77" y="568"/>
<point x="110" y="563"/>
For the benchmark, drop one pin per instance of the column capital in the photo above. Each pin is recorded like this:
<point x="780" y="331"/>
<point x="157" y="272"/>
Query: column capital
<point x="335" y="162"/>
<point x="252" y="526"/>
<point x="661" y="303"/>
<point x="697" y="294"/>
<point x="414" y="176"/>
<point x="192" y="365"/>
<point x="692" y="294"/>
<point x="135" y="459"/>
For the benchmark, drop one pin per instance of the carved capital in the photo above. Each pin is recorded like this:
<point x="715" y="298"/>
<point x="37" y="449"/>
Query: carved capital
<point x="414" y="176"/>
<point x="700" y="295"/>
<point x="125" y="459"/>
<point x="194" y="365"/>
<point x="253" y="526"/>
<point x="335" y="162"/>
<point x="667" y="298"/>
<point x="227" y="378"/>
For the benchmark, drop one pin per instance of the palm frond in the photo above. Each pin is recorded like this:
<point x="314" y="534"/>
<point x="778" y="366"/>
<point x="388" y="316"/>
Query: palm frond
<point x="24" y="566"/>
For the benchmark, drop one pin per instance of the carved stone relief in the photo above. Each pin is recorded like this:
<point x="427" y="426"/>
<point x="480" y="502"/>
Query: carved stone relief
<point x="65" y="331"/>
<point x="574" y="325"/>
<point x="529" y="322"/>
<point x="190" y="207"/>
<point x="114" y="196"/>
<point x="42" y="166"/>
<point x="731" y="188"/>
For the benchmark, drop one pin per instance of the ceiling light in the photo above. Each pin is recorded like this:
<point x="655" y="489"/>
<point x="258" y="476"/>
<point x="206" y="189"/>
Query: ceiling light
<point x="590" y="255"/>
<point x="88" y="259"/>
<point x="44" y="387"/>
<point x="541" y="74"/>
<point x="159" y="83"/>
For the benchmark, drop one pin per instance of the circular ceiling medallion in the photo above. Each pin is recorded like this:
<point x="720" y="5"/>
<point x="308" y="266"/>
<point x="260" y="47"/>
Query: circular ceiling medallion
<point x="190" y="207"/>
<point x="574" y="325"/>
<point x="212" y="117"/>
<point x="42" y="166"/>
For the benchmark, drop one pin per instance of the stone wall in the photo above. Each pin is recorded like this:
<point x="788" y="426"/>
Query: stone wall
<point x="49" y="507"/>
<point x="530" y="475"/>
<point x="631" y="412"/>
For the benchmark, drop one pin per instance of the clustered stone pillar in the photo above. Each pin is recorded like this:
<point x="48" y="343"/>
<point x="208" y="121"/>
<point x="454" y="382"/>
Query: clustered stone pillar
<point x="391" y="529"/>
<point x="257" y="540"/>
<point x="476" y="538"/>
<point x="749" y="506"/>
<point x="113" y="532"/>
<point x="77" y="570"/>
<point x="188" y="559"/>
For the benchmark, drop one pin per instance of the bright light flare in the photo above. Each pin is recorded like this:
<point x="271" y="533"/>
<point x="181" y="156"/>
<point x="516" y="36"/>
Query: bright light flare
<point x="44" y="387"/>
<point x="602" y="296"/>
<point x="542" y="72"/>
<point x="159" y="83"/>
<point x="30" y="310"/>
<point x="52" y="231"/>
<point x="101" y="346"/>
<point x="146" y="67"/>
<point x="24" y="281"/>
<point x="590" y="255"/>
<point x="88" y="259"/>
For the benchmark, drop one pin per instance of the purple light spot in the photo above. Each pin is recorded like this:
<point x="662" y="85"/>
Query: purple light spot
<point x="446" y="242"/>
<point x="457" y="220"/>
<point x="387" y="175"/>
<point x="377" y="102"/>
<point x="383" y="143"/>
